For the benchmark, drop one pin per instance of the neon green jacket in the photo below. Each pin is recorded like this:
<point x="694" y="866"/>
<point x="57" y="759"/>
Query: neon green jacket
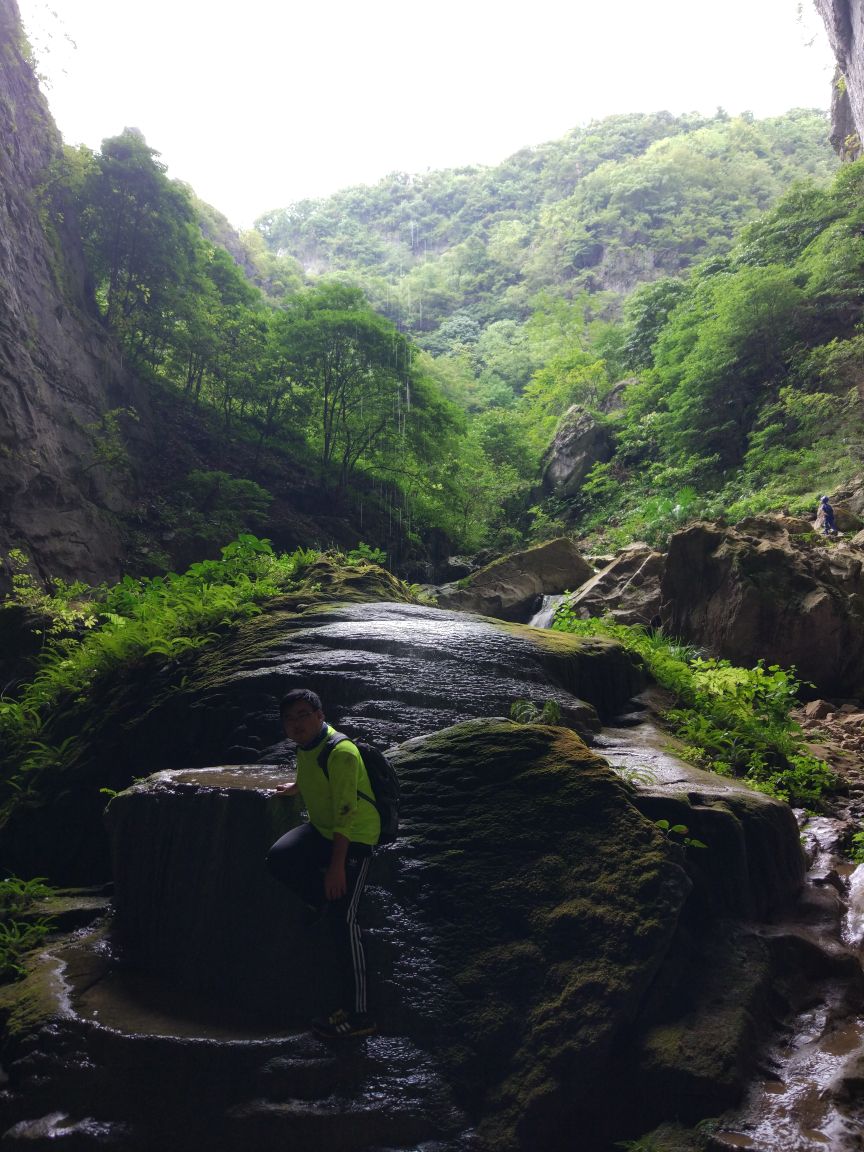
<point x="333" y="805"/>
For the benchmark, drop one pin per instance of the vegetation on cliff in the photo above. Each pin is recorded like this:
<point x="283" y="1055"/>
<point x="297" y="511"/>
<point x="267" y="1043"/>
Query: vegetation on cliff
<point x="99" y="640"/>
<point x="748" y="400"/>
<point x="419" y="381"/>
<point x="607" y="206"/>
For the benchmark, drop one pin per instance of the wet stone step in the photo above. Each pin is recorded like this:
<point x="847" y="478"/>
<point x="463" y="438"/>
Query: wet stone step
<point x="58" y="1130"/>
<point x="335" y="1125"/>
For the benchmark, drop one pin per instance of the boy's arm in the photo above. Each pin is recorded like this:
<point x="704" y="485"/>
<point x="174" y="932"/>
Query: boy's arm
<point x="335" y="884"/>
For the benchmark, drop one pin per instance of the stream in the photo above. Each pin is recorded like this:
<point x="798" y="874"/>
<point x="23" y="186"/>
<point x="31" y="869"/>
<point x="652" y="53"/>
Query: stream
<point x="809" y="1093"/>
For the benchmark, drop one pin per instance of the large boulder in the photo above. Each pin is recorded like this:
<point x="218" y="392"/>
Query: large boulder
<point x="534" y="940"/>
<point x="580" y="442"/>
<point x="511" y="587"/>
<point x="628" y="588"/>
<point x="386" y="671"/>
<point x="851" y="497"/>
<point x="758" y="591"/>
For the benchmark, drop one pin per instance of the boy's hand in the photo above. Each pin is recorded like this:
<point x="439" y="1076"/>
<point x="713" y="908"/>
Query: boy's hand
<point x="335" y="885"/>
<point x="288" y="789"/>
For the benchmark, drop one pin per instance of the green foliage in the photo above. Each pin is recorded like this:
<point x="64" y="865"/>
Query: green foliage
<point x="140" y="236"/>
<point x="109" y="446"/>
<point x="366" y="554"/>
<point x="512" y="278"/>
<point x="857" y="847"/>
<point x="355" y="369"/>
<point x="64" y="609"/>
<point x="645" y="314"/>
<point x="678" y="834"/>
<point x="614" y="202"/>
<point x="527" y="712"/>
<point x="749" y="399"/>
<point x="18" y="895"/>
<point x="735" y="721"/>
<point x="135" y="620"/>
<point x="215" y="506"/>
<point x="20" y="932"/>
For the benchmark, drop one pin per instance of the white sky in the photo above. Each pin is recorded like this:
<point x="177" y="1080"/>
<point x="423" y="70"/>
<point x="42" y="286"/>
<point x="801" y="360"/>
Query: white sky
<point x="258" y="103"/>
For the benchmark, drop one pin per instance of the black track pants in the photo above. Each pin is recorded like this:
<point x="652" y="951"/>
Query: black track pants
<point x="299" y="860"/>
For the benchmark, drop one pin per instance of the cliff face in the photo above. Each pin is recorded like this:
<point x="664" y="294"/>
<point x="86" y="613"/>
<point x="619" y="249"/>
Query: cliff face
<point x="844" y="21"/>
<point x="59" y="371"/>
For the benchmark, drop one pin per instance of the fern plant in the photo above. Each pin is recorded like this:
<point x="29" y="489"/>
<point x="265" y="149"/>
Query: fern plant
<point x="735" y="721"/>
<point x="161" y="616"/>
<point x="20" y="932"/>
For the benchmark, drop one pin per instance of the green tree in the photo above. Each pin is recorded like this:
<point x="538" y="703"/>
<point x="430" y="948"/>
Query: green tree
<point x="724" y="356"/>
<point x="355" y="369"/>
<point x="140" y="234"/>
<point x="645" y="314"/>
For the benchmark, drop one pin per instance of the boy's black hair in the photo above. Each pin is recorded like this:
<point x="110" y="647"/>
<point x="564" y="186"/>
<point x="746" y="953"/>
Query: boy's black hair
<point x="297" y="694"/>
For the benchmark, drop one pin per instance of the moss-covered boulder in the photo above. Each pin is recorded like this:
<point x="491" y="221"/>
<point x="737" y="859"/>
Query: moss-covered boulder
<point x="548" y="904"/>
<point x="386" y="670"/>
<point x="536" y="943"/>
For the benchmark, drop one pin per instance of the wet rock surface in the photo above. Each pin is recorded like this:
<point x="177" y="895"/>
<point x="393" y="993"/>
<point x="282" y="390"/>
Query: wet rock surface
<point x="759" y="591"/>
<point x="753" y="866"/>
<point x="386" y="671"/>
<point x="547" y="960"/>
<point x="532" y="934"/>
<point x="509" y="588"/>
<point x="805" y="1090"/>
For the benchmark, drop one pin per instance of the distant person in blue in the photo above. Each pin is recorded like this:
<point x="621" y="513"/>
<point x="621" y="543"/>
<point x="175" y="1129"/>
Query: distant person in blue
<point x="825" y="517"/>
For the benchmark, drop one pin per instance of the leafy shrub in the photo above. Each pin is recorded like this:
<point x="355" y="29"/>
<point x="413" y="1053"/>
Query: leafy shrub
<point x="135" y="619"/>
<point x="366" y="554"/>
<point x="66" y="607"/>
<point x="19" y="931"/>
<point x="527" y="712"/>
<point x="734" y="721"/>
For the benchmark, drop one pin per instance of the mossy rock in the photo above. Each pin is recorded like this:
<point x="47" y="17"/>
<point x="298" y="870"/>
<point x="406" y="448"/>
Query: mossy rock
<point x="552" y="903"/>
<point x="331" y="580"/>
<point x="701" y="1056"/>
<point x="385" y="669"/>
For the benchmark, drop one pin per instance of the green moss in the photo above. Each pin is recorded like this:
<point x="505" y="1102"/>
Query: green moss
<point x="35" y="1000"/>
<point x="595" y="668"/>
<point x="702" y="1052"/>
<point x="330" y="579"/>
<point x="563" y="868"/>
<point x="668" y="1138"/>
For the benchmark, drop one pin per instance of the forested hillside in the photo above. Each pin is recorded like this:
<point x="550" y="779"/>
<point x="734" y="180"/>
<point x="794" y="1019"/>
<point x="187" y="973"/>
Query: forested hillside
<point x="639" y="250"/>
<point x="621" y="201"/>
<point x="396" y="359"/>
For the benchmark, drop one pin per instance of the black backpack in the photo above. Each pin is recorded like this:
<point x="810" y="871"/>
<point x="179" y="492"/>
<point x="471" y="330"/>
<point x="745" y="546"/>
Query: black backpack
<point x="382" y="777"/>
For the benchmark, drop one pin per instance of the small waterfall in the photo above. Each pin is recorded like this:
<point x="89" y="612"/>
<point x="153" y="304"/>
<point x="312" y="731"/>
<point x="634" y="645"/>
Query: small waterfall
<point x="543" y="618"/>
<point x="854" y="934"/>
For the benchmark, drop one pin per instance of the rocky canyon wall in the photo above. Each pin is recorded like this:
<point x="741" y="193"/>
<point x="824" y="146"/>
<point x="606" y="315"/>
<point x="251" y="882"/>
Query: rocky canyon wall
<point x="59" y="371"/>
<point x="844" y="21"/>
